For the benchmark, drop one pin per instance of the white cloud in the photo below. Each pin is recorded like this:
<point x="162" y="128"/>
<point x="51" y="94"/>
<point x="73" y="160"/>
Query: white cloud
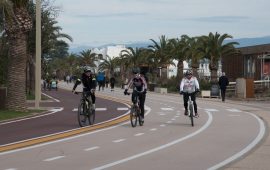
<point x="139" y="20"/>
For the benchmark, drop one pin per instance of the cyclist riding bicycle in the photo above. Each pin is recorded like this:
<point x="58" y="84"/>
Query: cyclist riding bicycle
<point x="89" y="83"/>
<point x="188" y="87"/>
<point x="139" y="89"/>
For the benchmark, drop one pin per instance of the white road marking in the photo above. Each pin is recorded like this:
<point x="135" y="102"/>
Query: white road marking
<point x="172" y="119"/>
<point x="162" y="114"/>
<point x="163" y="125"/>
<point x="53" y="158"/>
<point x="97" y="109"/>
<point x="11" y="169"/>
<point x="166" y="109"/>
<point x="101" y="109"/>
<point x="92" y="148"/>
<point x="147" y="109"/>
<point x="234" y="110"/>
<point x="211" y="110"/>
<point x="169" y="122"/>
<point x="119" y="140"/>
<point x="210" y="118"/>
<point x="139" y="134"/>
<point x="124" y="108"/>
<point x="178" y="114"/>
<point x="154" y="129"/>
<point x="245" y="150"/>
<point x="51" y="97"/>
<point x="52" y="111"/>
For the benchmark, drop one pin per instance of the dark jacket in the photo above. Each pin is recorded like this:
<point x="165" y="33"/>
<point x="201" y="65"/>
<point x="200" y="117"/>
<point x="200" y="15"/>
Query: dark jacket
<point x="112" y="80"/>
<point x="88" y="82"/>
<point x="223" y="82"/>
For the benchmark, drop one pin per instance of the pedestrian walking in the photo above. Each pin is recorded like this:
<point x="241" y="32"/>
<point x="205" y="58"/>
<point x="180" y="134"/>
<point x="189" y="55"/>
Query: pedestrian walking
<point x="223" y="83"/>
<point x="112" y="81"/>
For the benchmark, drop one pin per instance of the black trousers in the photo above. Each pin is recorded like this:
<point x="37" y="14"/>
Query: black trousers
<point x="93" y="96"/>
<point x="223" y="91"/>
<point x="193" y="98"/>
<point x="141" y="96"/>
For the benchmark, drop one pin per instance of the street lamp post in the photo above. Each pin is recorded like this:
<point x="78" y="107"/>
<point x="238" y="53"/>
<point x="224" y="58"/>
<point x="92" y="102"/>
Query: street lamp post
<point x="38" y="55"/>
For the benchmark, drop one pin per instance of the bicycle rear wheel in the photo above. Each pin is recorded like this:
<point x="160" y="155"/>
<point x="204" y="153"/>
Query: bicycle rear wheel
<point x="191" y="114"/>
<point x="133" y="117"/>
<point x="140" y="117"/>
<point x="82" y="116"/>
<point x="91" y="116"/>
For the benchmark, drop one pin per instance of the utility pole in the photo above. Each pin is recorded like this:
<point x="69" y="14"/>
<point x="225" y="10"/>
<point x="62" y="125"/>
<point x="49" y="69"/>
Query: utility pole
<point x="38" y="55"/>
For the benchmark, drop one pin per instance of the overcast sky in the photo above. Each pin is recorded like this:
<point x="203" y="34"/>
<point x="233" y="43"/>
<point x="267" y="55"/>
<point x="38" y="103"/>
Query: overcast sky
<point x="97" y="22"/>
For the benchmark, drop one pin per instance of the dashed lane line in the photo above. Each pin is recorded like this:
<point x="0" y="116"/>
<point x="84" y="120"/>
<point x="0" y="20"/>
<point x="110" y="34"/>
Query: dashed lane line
<point x="153" y="129"/>
<point x="119" y="140"/>
<point x="166" y="109"/>
<point x="139" y="134"/>
<point x="53" y="158"/>
<point x="92" y="148"/>
<point x="205" y="126"/>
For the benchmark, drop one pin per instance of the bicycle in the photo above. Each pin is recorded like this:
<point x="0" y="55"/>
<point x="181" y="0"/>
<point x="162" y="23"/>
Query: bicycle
<point x="190" y="108"/>
<point x="135" y="112"/>
<point x="86" y="110"/>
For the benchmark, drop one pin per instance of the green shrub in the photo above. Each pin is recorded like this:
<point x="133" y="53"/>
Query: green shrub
<point x="205" y="85"/>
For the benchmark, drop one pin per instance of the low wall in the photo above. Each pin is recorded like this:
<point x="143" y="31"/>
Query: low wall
<point x="160" y="90"/>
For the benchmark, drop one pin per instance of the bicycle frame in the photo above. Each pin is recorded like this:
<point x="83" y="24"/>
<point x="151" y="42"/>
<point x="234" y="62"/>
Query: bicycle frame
<point x="85" y="109"/>
<point x="190" y="109"/>
<point x="136" y="111"/>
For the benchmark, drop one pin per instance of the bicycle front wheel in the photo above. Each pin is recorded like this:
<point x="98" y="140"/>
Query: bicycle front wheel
<point x="91" y="116"/>
<point x="133" y="117"/>
<point x="82" y="116"/>
<point x="191" y="115"/>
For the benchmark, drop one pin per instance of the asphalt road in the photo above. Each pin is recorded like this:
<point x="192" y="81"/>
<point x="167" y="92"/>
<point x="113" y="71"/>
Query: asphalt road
<point x="62" y="116"/>
<point x="224" y="133"/>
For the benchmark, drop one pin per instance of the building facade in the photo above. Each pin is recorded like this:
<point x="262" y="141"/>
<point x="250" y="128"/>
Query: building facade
<point x="252" y="62"/>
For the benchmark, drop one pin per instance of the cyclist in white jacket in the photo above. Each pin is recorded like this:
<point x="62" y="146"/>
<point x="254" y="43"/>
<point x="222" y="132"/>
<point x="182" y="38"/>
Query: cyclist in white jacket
<point x="189" y="86"/>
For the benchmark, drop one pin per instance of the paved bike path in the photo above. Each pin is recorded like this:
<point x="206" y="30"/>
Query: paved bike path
<point x="61" y="117"/>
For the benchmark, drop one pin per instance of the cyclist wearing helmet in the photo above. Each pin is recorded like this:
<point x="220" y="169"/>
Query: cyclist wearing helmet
<point x="139" y="89"/>
<point x="188" y="87"/>
<point x="89" y="83"/>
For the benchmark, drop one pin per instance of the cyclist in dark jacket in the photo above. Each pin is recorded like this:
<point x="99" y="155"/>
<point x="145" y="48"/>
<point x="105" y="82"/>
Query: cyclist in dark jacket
<point x="89" y="83"/>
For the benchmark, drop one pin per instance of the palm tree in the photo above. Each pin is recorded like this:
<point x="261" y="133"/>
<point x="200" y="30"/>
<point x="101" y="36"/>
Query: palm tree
<point x="160" y="54"/>
<point x="177" y="52"/>
<point x="133" y="55"/>
<point x="109" y="64"/>
<point x="87" y="58"/>
<point x="192" y="53"/>
<point x="16" y="23"/>
<point x="214" y="48"/>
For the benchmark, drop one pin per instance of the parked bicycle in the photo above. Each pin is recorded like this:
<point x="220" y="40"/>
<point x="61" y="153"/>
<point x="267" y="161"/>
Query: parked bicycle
<point x="86" y="111"/>
<point x="135" y="112"/>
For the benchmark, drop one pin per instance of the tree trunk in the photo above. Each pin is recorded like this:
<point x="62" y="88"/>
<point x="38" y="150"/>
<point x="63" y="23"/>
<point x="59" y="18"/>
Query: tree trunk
<point x="213" y="70"/>
<point x="16" y="95"/>
<point x="195" y="70"/>
<point x="180" y="67"/>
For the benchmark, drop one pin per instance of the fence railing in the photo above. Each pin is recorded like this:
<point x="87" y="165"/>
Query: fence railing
<point x="259" y="86"/>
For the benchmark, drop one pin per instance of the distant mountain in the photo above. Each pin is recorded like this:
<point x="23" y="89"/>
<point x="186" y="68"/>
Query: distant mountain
<point x="243" y="42"/>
